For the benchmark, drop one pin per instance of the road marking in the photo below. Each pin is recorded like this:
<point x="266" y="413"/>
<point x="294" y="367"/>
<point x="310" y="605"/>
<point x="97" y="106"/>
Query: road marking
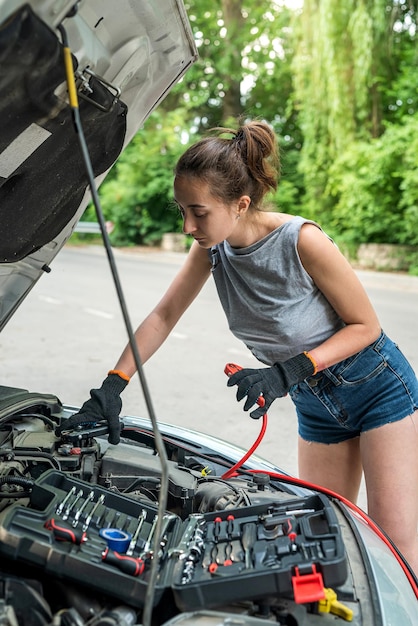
<point x="97" y="313"/>
<point x="49" y="300"/>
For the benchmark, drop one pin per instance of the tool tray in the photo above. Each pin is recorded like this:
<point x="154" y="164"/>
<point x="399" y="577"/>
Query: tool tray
<point x="292" y="549"/>
<point x="28" y="539"/>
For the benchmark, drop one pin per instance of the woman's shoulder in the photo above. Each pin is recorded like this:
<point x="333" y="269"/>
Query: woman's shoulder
<point x="274" y="219"/>
<point x="291" y="225"/>
<point x="277" y="219"/>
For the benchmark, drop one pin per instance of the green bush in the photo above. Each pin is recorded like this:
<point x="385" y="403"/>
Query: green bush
<point x="375" y="188"/>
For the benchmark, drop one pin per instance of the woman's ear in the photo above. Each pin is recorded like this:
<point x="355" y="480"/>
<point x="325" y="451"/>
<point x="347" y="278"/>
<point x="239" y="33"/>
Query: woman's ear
<point x="243" y="204"/>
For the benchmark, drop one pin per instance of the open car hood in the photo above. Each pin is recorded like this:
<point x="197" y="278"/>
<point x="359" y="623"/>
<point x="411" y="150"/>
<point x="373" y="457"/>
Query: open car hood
<point x="127" y="55"/>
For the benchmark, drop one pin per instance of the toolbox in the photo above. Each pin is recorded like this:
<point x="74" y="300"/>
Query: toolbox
<point x="106" y="541"/>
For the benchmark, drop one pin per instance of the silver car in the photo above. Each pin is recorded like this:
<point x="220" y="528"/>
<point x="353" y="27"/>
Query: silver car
<point x="170" y="526"/>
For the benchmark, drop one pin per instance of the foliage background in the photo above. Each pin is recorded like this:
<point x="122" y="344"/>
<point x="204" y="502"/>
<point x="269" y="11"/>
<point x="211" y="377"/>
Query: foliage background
<point x="337" y="81"/>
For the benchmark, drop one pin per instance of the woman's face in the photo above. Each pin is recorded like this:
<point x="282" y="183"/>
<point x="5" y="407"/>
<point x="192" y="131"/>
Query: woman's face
<point x="206" y="218"/>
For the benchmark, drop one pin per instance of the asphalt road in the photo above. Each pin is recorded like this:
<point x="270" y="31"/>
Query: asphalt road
<point x="70" y="331"/>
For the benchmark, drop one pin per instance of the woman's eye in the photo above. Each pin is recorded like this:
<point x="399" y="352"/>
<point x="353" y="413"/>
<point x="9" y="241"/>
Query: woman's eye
<point x="200" y="214"/>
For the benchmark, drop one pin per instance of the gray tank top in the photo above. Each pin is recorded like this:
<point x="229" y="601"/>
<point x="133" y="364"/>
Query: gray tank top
<point x="270" y="301"/>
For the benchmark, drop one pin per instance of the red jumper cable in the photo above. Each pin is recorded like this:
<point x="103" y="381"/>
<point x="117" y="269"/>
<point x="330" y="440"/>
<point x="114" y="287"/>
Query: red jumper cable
<point x="232" y="368"/>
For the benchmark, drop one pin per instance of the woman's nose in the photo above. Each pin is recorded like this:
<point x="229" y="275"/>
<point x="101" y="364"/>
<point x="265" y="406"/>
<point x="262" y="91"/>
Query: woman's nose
<point x="189" y="225"/>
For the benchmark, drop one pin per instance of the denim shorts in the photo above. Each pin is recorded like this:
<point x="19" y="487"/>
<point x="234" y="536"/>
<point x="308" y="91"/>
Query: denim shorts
<point x="374" y="387"/>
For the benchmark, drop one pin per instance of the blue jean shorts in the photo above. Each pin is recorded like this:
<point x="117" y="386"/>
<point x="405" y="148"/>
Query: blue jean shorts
<point x="374" y="387"/>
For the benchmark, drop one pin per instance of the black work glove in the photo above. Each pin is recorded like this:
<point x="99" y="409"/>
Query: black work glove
<point x="271" y="382"/>
<point x="104" y="404"/>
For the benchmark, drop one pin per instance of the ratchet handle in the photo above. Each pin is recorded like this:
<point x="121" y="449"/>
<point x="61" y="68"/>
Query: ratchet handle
<point x="233" y="368"/>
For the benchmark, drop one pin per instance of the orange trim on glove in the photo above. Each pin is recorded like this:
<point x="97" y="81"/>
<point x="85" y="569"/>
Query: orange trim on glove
<point x="120" y="374"/>
<point x="314" y="363"/>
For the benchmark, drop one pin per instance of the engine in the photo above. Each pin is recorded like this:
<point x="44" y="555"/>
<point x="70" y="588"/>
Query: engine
<point x="84" y="540"/>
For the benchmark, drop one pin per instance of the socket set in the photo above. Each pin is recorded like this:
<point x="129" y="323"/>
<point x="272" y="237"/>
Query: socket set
<point x="106" y="541"/>
<point x="89" y="535"/>
<point x="292" y="550"/>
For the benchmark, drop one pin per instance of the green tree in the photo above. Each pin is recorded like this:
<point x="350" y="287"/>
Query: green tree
<point x="138" y="197"/>
<point x="347" y="73"/>
<point x="244" y="60"/>
<point x="400" y="96"/>
<point x="337" y="81"/>
<point x="243" y="70"/>
<point x="376" y="187"/>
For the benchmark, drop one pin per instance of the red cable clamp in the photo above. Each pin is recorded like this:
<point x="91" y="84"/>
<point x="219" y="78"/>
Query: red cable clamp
<point x="233" y="368"/>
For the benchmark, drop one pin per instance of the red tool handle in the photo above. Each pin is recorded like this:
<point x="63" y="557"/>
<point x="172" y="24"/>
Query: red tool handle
<point x="127" y="564"/>
<point x="62" y="532"/>
<point x="233" y="368"/>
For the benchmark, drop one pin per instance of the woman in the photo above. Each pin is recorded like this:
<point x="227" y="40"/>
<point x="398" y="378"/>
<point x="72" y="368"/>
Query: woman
<point x="295" y="301"/>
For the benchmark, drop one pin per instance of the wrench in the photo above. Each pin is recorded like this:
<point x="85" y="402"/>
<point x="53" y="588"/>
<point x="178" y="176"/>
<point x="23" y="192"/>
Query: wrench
<point x="62" y="504"/>
<point x="82" y="507"/>
<point x="72" y="505"/>
<point x="132" y="544"/>
<point x="92" y="512"/>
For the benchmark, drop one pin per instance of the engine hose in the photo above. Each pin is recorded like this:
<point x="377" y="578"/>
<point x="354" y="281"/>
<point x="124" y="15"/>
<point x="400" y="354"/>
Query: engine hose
<point x="16" y="480"/>
<point x="41" y="455"/>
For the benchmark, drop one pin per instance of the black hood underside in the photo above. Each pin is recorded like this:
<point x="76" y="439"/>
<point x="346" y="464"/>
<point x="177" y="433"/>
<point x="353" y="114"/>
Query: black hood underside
<point x="38" y="144"/>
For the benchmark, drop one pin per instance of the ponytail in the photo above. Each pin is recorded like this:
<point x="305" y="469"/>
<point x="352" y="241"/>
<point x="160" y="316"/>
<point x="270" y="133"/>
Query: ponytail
<point x="247" y="163"/>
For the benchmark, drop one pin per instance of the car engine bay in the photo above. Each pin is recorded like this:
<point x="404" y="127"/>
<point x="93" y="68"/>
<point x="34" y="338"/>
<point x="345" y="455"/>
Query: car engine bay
<point x="78" y="520"/>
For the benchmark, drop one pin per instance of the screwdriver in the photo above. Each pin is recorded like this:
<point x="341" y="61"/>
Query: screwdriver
<point x="126" y="564"/>
<point x="62" y="532"/>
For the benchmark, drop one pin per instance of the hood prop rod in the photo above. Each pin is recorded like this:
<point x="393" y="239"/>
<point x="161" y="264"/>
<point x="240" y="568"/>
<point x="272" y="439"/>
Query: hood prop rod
<point x="159" y="443"/>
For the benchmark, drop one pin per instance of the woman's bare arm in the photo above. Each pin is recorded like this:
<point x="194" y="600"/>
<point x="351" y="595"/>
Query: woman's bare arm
<point x="156" y="327"/>
<point x="337" y="280"/>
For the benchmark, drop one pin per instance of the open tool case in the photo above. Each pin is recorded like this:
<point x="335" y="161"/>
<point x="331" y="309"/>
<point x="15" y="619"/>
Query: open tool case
<point x="292" y="549"/>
